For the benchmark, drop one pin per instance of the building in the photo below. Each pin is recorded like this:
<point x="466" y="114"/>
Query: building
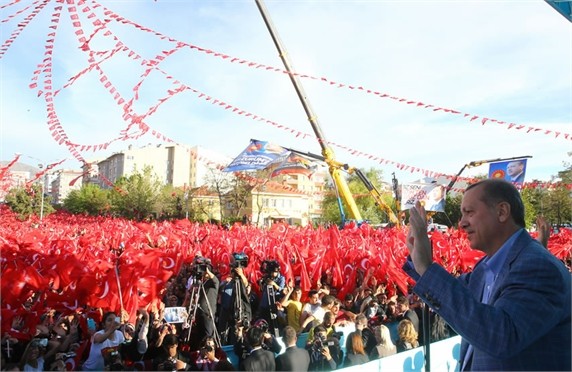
<point x="271" y="203"/>
<point x="171" y="164"/>
<point x="64" y="182"/>
<point x="313" y="186"/>
<point x="292" y="198"/>
<point x="206" y="167"/>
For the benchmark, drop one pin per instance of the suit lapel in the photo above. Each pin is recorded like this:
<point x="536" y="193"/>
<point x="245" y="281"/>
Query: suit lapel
<point x="522" y="241"/>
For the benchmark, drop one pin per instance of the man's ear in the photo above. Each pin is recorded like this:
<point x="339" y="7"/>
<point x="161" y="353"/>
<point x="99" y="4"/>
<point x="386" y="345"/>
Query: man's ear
<point x="503" y="211"/>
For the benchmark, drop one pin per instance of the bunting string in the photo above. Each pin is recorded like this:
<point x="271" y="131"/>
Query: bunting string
<point x="136" y="122"/>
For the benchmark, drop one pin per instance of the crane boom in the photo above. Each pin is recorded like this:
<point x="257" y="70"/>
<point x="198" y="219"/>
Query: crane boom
<point x="335" y="168"/>
<point x="327" y="152"/>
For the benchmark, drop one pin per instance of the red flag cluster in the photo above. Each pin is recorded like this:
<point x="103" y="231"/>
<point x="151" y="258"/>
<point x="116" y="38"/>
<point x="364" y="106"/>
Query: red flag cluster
<point x="78" y="261"/>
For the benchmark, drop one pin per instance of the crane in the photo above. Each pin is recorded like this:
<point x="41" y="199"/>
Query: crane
<point x="335" y="168"/>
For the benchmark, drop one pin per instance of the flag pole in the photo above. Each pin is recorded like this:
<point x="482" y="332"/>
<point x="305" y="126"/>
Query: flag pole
<point x="119" y="286"/>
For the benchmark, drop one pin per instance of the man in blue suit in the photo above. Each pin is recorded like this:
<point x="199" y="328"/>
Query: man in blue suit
<point x="513" y="310"/>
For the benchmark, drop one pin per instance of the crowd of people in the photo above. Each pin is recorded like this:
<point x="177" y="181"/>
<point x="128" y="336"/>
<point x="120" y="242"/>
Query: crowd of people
<point x="218" y="311"/>
<point x="200" y="313"/>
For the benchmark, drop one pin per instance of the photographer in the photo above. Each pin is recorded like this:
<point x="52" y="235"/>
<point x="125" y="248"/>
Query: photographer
<point x="234" y="309"/>
<point x="171" y="358"/>
<point x="272" y="287"/>
<point x="203" y="286"/>
<point x="259" y="359"/>
<point x="325" y="353"/>
<point x="206" y="359"/>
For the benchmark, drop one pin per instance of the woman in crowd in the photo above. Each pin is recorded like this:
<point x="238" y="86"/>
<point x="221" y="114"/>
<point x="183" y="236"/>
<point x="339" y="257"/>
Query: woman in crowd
<point x="108" y="337"/>
<point x="33" y="359"/>
<point x="355" y="354"/>
<point x="407" y="336"/>
<point x="385" y="346"/>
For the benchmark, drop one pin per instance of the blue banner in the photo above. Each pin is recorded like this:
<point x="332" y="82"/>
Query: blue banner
<point x="512" y="170"/>
<point x="294" y="164"/>
<point x="258" y="155"/>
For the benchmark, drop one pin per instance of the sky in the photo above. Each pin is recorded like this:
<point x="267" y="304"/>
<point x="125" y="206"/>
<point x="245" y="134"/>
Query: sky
<point x="503" y="61"/>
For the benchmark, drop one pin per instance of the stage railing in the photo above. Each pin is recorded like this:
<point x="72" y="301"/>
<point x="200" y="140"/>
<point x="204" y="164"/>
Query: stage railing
<point x="444" y="356"/>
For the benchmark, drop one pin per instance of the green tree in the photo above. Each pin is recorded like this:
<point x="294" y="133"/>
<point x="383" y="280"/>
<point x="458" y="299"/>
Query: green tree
<point x="236" y="199"/>
<point x="90" y="199"/>
<point x="28" y="201"/>
<point x="452" y="214"/>
<point x="135" y="197"/>
<point x="171" y="202"/>
<point x="558" y="205"/>
<point x="365" y="202"/>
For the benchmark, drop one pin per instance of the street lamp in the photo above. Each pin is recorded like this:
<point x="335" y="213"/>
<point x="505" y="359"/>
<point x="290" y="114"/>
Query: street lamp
<point x="41" y="166"/>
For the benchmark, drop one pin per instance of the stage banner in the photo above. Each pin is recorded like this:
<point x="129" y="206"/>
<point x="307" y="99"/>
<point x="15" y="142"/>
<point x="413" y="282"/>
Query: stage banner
<point x="258" y="155"/>
<point x="512" y="171"/>
<point x="431" y="195"/>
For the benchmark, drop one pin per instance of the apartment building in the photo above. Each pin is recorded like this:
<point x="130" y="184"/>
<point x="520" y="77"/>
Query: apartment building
<point x="170" y="163"/>
<point x="63" y="183"/>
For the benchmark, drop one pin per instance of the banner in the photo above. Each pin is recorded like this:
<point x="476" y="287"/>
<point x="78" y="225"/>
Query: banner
<point x="431" y="195"/>
<point x="295" y="164"/>
<point x="258" y="155"/>
<point x="512" y="171"/>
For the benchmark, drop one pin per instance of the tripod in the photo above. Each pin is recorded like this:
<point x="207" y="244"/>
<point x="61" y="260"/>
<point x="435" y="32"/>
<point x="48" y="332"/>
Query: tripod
<point x="238" y="313"/>
<point x="198" y="290"/>
<point x="272" y="309"/>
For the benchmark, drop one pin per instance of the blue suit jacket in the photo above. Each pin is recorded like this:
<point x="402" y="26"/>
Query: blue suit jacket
<point x="525" y="326"/>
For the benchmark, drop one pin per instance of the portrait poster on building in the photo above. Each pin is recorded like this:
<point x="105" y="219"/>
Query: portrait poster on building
<point x="431" y="195"/>
<point x="512" y="171"/>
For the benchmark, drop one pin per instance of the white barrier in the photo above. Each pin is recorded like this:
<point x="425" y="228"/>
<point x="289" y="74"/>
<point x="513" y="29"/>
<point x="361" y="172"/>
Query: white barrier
<point x="444" y="357"/>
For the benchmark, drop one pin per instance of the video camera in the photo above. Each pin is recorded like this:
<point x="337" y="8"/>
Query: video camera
<point x="170" y="364"/>
<point x="239" y="260"/>
<point x="200" y="266"/>
<point x="320" y="343"/>
<point x="269" y="266"/>
<point x="206" y="349"/>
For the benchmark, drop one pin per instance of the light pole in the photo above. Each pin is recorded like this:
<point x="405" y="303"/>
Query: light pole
<point x="41" y="166"/>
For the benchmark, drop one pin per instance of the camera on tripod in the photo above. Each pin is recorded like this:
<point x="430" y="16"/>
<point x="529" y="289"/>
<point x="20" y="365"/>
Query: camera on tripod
<point x="200" y="267"/>
<point x="269" y="266"/>
<point x="238" y="260"/>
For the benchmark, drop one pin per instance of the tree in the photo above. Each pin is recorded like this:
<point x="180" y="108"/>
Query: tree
<point x="236" y="199"/>
<point x="28" y="201"/>
<point x="452" y="214"/>
<point x="90" y="199"/>
<point x="135" y="197"/>
<point x="219" y="182"/>
<point x="366" y="204"/>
